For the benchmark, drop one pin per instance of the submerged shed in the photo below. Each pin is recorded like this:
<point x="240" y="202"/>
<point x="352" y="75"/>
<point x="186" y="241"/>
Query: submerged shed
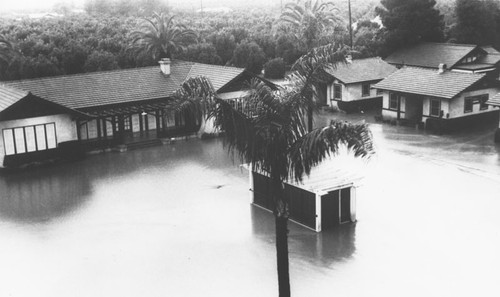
<point x="323" y="200"/>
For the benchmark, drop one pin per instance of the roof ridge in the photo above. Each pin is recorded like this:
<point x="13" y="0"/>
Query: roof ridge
<point x="449" y="43"/>
<point x="177" y="62"/>
<point x="446" y="71"/>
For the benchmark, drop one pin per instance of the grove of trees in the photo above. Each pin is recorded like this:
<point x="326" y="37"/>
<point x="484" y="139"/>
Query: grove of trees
<point x="107" y="34"/>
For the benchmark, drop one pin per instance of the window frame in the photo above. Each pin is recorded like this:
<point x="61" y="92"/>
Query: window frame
<point x="363" y="86"/>
<point x="482" y="102"/>
<point x="37" y="139"/>
<point x="396" y="97"/>
<point x="335" y="93"/>
<point x="468" y="101"/>
<point x="432" y="100"/>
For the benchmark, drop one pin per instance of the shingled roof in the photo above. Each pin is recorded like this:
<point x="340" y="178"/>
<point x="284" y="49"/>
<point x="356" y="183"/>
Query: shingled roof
<point x="360" y="70"/>
<point x="122" y="86"/>
<point x="428" y="82"/>
<point x="9" y="96"/>
<point x="430" y="54"/>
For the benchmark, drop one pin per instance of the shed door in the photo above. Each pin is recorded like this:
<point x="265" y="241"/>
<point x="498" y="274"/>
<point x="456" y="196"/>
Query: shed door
<point x="330" y="210"/>
<point x="345" y="205"/>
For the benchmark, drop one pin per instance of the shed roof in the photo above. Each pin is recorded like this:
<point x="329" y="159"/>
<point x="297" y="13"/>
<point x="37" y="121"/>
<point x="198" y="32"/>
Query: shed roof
<point x="428" y="82"/>
<point x="334" y="173"/>
<point x="9" y="96"/>
<point x="122" y="86"/>
<point x="360" y="70"/>
<point x="430" y="54"/>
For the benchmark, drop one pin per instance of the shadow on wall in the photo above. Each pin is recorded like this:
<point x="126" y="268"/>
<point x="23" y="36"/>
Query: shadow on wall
<point x="323" y="249"/>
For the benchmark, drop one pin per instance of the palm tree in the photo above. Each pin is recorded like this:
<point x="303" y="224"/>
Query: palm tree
<point x="309" y="18"/>
<point x="161" y="36"/>
<point x="270" y="134"/>
<point x="6" y="50"/>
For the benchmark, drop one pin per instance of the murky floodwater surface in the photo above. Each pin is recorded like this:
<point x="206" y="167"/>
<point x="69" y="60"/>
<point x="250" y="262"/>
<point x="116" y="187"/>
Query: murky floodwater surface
<point x="176" y="221"/>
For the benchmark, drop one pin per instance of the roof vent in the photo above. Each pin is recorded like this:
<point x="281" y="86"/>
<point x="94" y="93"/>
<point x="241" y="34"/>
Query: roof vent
<point x="165" y="66"/>
<point x="441" y="68"/>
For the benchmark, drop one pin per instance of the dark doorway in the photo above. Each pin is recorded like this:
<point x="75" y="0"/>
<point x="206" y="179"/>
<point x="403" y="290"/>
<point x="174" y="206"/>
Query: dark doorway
<point x="345" y="205"/>
<point x="322" y="91"/>
<point x="330" y="210"/>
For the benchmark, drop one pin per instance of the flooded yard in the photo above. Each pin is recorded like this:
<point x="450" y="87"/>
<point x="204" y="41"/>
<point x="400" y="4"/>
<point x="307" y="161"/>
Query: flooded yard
<point x="176" y="220"/>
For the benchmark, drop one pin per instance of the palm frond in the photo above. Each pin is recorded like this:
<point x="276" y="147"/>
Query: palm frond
<point x="314" y="147"/>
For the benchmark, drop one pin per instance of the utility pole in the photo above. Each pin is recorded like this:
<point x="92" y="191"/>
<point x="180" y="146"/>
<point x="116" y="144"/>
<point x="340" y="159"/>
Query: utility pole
<point x="350" y="23"/>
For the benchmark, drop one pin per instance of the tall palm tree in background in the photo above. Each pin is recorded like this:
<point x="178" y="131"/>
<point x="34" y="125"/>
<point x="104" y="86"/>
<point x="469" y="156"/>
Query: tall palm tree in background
<point x="6" y="50"/>
<point x="270" y="134"/>
<point x="309" y="18"/>
<point x="161" y="36"/>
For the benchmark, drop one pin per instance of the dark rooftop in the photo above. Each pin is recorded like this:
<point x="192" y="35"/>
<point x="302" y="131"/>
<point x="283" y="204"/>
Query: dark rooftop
<point x="122" y="86"/>
<point x="430" y="55"/>
<point x="428" y="82"/>
<point x="362" y="70"/>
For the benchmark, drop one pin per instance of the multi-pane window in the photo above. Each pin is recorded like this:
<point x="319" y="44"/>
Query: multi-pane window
<point x="337" y="91"/>
<point x="471" y="101"/>
<point x="393" y="101"/>
<point x="29" y="139"/>
<point x="482" y="102"/>
<point x="365" y="90"/>
<point x="435" y="108"/>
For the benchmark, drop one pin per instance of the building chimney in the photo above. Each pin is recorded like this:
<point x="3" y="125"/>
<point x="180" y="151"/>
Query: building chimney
<point x="165" y="66"/>
<point x="441" y="68"/>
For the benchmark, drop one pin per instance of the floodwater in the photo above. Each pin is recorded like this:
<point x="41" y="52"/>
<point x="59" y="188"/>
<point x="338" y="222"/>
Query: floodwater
<point x="176" y="221"/>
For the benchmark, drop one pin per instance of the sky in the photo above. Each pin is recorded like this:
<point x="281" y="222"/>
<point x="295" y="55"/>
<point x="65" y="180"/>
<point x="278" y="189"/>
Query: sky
<point x="8" y="5"/>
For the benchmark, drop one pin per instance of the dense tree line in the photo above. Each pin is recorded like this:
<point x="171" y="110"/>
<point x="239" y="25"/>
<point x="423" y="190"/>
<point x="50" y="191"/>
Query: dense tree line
<point x="103" y="37"/>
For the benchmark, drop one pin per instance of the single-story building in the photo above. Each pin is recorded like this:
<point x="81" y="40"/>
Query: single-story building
<point x="467" y="58"/>
<point x="323" y="200"/>
<point x="439" y="99"/>
<point x="46" y="117"/>
<point x="495" y="102"/>
<point x="351" y="84"/>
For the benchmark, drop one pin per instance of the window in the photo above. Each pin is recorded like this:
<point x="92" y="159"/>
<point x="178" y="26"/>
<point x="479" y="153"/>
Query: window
<point x="471" y="101"/>
<point x="337" y="91"/>
<point x="468" y="104"/>
<point x="365" y="90"/>
<point x="482" y="102"/>
<point x="435" y="109"/>
<point x="393" y="101"/>
<point x="29" y="139"/>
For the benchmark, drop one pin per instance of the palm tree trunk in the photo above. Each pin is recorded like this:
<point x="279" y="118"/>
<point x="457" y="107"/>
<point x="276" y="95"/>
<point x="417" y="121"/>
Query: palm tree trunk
<point x="281" y="222"/>
<point x="282" y="255"/>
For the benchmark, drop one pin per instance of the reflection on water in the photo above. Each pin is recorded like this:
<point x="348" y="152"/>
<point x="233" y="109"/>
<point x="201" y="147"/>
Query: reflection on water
<point x="322" y="249"/>
<point x="41" y="195"/>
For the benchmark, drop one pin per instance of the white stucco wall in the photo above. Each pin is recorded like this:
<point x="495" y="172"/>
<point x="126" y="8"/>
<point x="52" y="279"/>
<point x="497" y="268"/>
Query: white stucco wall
<point x="392" y="114"/>
<point x="65" y="128"/>
<point x="351" y="92"/>
<point x="457" y="104"/>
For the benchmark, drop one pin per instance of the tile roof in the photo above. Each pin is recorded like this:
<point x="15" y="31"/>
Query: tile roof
<point x="9" y="96"/>
<point x="495" y="100"/>
<point x="430" y="54"/>
<point x="362" y="70"/>
<point x="428" y="82"/>
<point x="122" y="86"/>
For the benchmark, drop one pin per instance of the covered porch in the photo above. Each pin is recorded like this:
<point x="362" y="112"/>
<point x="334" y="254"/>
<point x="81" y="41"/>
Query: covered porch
<point x="141" y="122"/>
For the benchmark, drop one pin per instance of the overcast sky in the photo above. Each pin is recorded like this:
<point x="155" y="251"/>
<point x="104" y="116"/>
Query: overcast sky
<point x="47" y="4"/>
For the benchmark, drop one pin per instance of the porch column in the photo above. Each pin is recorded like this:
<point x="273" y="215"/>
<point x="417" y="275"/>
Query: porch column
<point x="158" y="128"/>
